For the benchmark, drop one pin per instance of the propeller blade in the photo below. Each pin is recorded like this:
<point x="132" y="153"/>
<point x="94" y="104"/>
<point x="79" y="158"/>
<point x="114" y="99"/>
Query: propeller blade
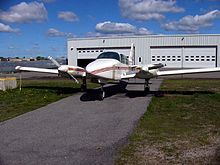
<point x="54" y="61"/>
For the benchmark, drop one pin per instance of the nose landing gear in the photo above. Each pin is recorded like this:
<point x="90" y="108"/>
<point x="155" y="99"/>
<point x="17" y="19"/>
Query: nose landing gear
<point x="101" y="93"/>
<point x="146" y="86"/>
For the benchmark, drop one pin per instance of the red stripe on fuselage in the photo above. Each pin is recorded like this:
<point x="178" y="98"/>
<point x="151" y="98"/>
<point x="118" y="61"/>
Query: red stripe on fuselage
<point x="108" y="69"/>
<point x="77" y="69"/>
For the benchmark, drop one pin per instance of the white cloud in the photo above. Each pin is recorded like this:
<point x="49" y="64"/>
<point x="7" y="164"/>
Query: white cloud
<point x="56" y="33"/>
<point x="68" y="16"/>
<point x="113" y="28"/>
<point x="192" y="24"/>
<point x="25" y="13"/>
<point x="143" y="31"/>
<point x="143" y="10"/>
<point x="7" y="28"/>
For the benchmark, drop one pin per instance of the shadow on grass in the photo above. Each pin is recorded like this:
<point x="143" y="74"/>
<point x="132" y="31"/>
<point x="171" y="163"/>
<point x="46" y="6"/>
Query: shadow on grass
<point x="111" y="90"/>
<point x="58" y="90"/>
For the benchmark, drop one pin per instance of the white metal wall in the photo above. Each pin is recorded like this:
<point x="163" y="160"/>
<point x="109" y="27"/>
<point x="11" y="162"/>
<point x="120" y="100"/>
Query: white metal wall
<point x="93" y="53"/>
<point x="199" y="57"/>
<point x="172" y="57"/>
<point x="185" y="57"/>
<point x="143" y="45"/>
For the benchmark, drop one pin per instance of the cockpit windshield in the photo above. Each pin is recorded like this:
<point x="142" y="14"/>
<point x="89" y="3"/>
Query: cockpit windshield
<point x="111" y="55"/>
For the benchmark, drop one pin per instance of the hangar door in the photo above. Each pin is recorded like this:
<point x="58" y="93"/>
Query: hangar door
<point x="184" y="57"/>
<point x="87" y="55"/>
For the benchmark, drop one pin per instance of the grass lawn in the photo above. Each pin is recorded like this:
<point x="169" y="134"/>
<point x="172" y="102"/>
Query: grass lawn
<point x="181" y="127"/>
<point x="35" y="94"/>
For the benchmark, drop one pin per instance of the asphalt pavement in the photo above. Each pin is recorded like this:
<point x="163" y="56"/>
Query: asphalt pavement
<point x="75" y="130"/>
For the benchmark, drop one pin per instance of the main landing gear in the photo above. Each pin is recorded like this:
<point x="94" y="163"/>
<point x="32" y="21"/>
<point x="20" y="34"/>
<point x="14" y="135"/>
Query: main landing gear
<point x="102" y="93"/>
<point x="146" y="86"/>
<point x="83" y="87"/>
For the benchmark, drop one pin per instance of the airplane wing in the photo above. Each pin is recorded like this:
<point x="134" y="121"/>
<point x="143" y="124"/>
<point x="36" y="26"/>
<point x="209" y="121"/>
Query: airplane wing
<point x="33" y="69"/>
<point x="63" y="70"/>
<point x="187" y="71"/>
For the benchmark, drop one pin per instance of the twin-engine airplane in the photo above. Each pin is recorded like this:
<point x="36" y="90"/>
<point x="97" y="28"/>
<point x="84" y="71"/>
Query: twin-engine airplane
<point x="113" y="66"/>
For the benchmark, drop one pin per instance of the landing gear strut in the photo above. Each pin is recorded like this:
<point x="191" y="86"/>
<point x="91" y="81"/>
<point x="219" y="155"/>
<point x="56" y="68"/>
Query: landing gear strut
<point x="146" y="86"/>
<point x="102" y="93"/>
<point x="83" y="87"/>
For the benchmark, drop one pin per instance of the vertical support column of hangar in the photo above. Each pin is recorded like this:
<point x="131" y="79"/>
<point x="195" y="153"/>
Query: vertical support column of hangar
<point x="218" y="55"/>
<point x="72" y="53"/>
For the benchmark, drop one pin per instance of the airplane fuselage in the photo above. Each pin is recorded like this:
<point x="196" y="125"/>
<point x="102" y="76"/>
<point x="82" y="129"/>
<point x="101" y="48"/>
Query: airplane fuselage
<point x="107" y="69"/>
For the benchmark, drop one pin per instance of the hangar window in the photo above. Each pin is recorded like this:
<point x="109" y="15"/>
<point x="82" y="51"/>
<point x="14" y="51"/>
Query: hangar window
<point x="192" y="59"/>
<point x="88" y="51"/>
<point x="84" y="51"/>
<point x="163" y="56"/>
<point x="197" y="59"/>
<point x="153" y="56"/>
<point x="213" y="56"/>
<point x="187" y="59"/>
<point x="207" y="56"/>
<point x="197" y="56"/>
<point x="207" y="60"/>
<point x="153" y="59"/>
<point x="158" y="56"/>
<point x="213" y="59"/>
<point x="158" y="59"/>
<point x="174" y="56"/>
<point x="96" y="51"/>
<point x="163" y="59"/>
<point x="187" y="56"/>
<point x="124" y="59"/>
<point x="168" y="56"/>
<point x="179" y="56"/>
<point x="178" y="60"/>
<point x="202" y="56"/>
<point x="92" y="51"/>
<point x="139" y="59"/>
<point x="79" y="51"/>
<point x="173" y="59"/>
<point x="192" y="56"/>
<point x="168" y="59"/>
<point x="202" y="60"/>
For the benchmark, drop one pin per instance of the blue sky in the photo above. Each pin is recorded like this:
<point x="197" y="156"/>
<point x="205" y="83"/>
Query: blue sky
<point x="41" y="27"/>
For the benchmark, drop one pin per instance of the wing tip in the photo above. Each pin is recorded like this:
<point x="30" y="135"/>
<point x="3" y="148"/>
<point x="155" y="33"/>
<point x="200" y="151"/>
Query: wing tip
<point x="17" y="67"/>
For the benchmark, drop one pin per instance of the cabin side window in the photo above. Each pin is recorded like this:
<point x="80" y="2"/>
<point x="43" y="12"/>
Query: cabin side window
<point x="124" y="59"/>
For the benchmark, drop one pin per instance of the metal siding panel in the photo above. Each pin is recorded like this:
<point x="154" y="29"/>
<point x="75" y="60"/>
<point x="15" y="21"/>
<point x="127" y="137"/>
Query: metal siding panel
<point x="199" y="57"/>
<point x="143" y="43"/>
<point x="169" y="56"/>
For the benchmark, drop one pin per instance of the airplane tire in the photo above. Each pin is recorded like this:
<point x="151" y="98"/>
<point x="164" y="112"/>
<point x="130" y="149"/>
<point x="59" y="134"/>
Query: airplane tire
<point x="147" y="89"/>
<point x="101" y="95"/>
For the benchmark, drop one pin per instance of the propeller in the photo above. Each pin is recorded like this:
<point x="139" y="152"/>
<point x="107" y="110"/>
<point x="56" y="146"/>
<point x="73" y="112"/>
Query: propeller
<point x="54" y="61"/>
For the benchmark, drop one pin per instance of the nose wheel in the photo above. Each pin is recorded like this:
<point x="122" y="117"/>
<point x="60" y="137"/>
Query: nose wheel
<point x="101" y="93"/>
<point x="146" y="86"/>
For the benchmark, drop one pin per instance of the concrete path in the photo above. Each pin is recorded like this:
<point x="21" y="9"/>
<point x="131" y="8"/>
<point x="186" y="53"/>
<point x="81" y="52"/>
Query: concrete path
<point x="75" y="130"/>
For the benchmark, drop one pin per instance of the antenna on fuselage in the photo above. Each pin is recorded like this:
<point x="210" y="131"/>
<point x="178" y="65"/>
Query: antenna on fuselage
<point x="131" y="55"/>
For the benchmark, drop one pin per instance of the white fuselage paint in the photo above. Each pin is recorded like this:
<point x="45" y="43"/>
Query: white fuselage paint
<point x="107" y="69"/>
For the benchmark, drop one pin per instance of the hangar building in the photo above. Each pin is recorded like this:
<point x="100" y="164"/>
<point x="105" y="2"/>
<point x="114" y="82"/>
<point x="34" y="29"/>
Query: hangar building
<point x="176" y="51"/>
